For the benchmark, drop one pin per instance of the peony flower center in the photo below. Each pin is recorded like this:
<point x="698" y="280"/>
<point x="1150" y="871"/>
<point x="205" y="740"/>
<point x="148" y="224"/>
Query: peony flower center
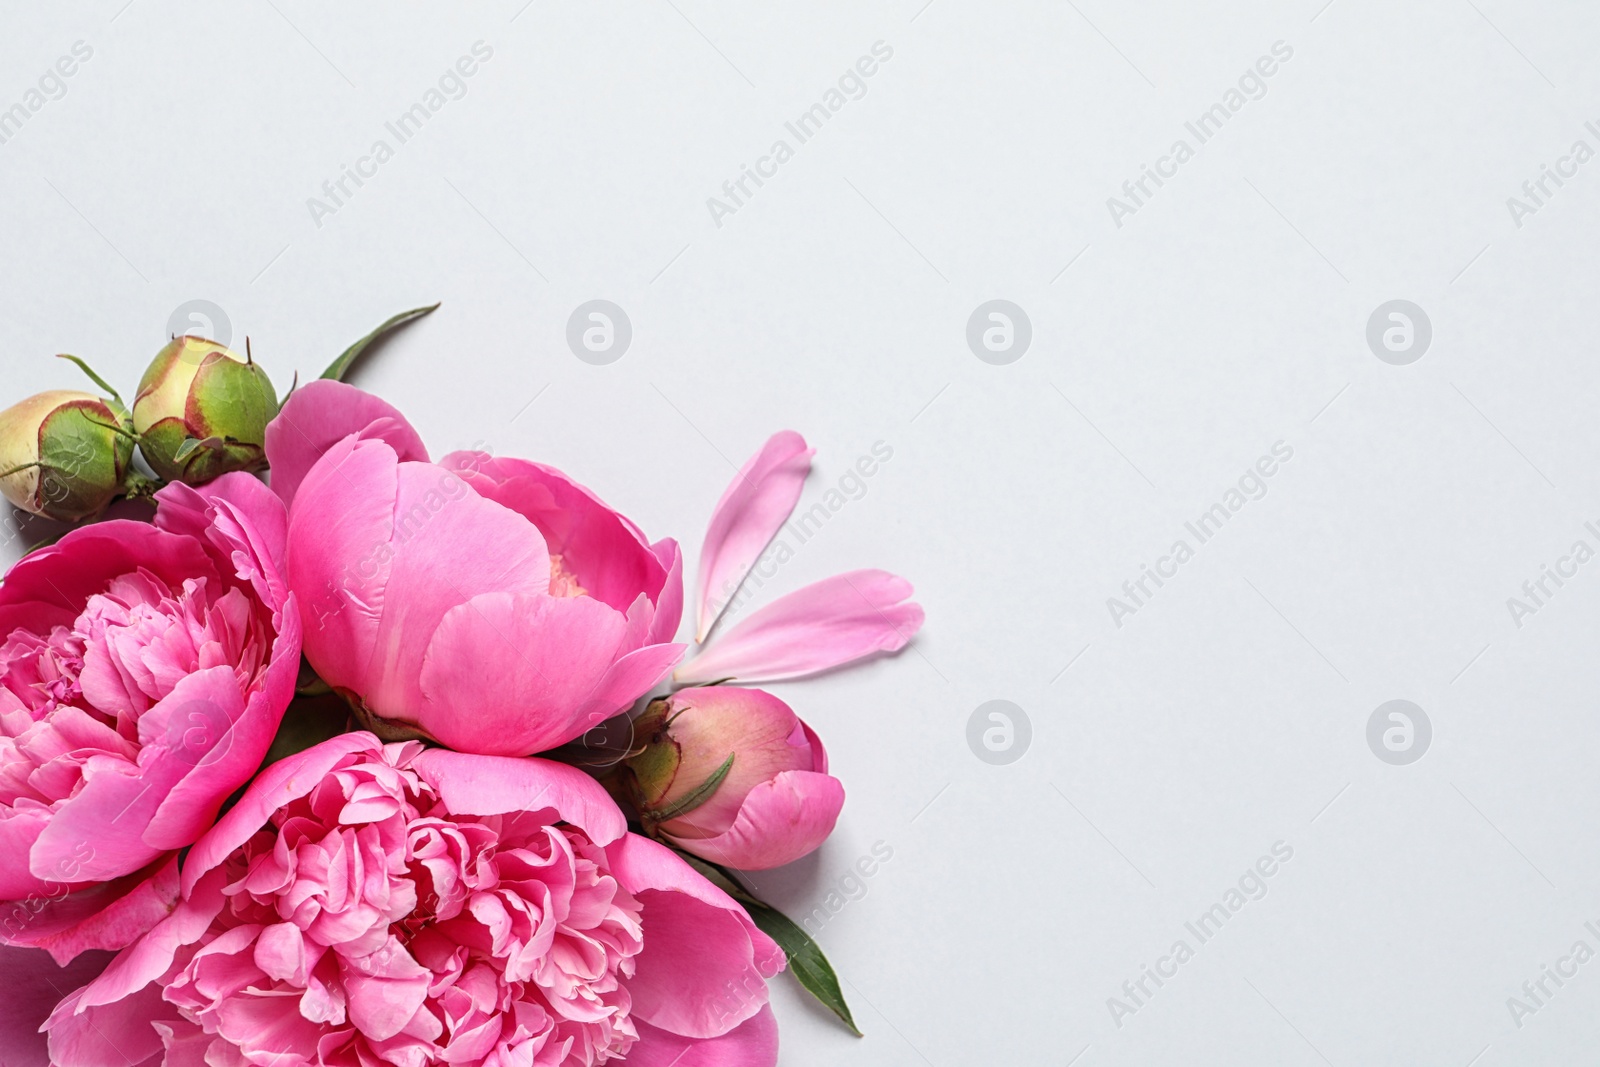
<point x="128" y="648"/>
<point x="77" y="693"/>
<point x="40" y="672"/>
<point x="563" y="582"/>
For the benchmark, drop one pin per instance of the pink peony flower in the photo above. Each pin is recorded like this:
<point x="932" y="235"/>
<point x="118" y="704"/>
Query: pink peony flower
<point x="824" y="625"/>
<point x="144" y="670"/>
<point x="367" y="904"/>
<point x="771" y="799"/>
<point x="491" y="604"/>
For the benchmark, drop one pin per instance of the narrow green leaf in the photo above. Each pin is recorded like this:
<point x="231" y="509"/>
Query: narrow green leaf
<point x="339" y="367"/>
<point x="293" y="385"/>
<point x="696" y="797"/>
<point x="806" y="960"/>
<point x="101" y="382"/>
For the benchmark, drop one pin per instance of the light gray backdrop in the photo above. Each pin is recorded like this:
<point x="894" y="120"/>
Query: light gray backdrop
<point x="1176" y="339"/>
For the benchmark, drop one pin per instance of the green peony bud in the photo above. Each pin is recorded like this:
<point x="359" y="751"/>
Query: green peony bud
<point x="63" y="454"/>
<point x="202" y="411"/>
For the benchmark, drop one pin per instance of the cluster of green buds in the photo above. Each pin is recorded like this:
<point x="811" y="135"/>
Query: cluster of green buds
<point x="201" y="411"/>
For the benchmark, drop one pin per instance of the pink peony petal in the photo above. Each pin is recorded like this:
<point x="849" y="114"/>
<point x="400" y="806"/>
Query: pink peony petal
<point x="49" y="587"/>
<point x="118" y="1034"/>
<point x="780" y="821"/>
<point x="106" y="915"/>
<point x="95" y="835"/>
<point x="322" y="413"/>
<point x="548" y="654"/>
<point x="604" y="552"/>
<point x="286" y="780"/>
<point x="147" y="959"/>
<point x="19" y="829"/>
<point x="101" y="831"/>
<point x="448" y="546"/>
<point x="753" y="1044"/>
<point x="338" y="567"/>
<point x="34" y="985"/>
<point x="669" y="609"/>
<point x="630" y="678"/>
<point x="238" y="744"/>
<point x="251" y="538"/>
<point x="501" y="785"/>
<point x="705" y="964"/>
<point x="825" y="625"/>
<point x="758" y="501"/>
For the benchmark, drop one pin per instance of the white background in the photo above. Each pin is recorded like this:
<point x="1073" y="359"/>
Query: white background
<point x="1227" y="314"/>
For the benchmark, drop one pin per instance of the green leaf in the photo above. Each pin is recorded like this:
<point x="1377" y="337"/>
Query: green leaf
<point x="101" y="382"/>
<point x="695" y="797"/>
<point x="806" y="960"/>
<point x="338" y="368"/>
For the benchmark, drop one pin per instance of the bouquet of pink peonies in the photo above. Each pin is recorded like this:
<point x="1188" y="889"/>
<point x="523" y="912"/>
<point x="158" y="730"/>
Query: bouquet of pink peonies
<point x="385" y="759"/>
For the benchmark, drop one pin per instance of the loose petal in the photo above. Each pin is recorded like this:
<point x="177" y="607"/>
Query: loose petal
<point x="825" y="625"/>
<point x="758" y="501"/>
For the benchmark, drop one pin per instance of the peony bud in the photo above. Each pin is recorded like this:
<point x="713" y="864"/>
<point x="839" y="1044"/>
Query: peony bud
<point x="733" y="775"/>
<point x="202" y="411"/>
<point x="63" y="454"/>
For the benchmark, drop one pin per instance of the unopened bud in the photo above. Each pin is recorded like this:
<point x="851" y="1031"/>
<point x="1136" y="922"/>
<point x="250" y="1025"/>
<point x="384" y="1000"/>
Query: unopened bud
<point x="63" y="454"/>
<point x="202" y="411"/>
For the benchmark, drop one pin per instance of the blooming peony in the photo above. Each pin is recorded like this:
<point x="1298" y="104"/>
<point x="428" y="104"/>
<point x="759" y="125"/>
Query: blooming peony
<point x="144" y="670"/>
<point x="493" y="605"/>
<point x="367" y="904"/>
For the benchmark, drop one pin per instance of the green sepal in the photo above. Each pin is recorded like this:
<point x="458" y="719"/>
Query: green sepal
<point x="80" y="465"/>
<point x="232" y="400"/>
<point x="695" y="797"/>
<point x="186" y="449"/>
